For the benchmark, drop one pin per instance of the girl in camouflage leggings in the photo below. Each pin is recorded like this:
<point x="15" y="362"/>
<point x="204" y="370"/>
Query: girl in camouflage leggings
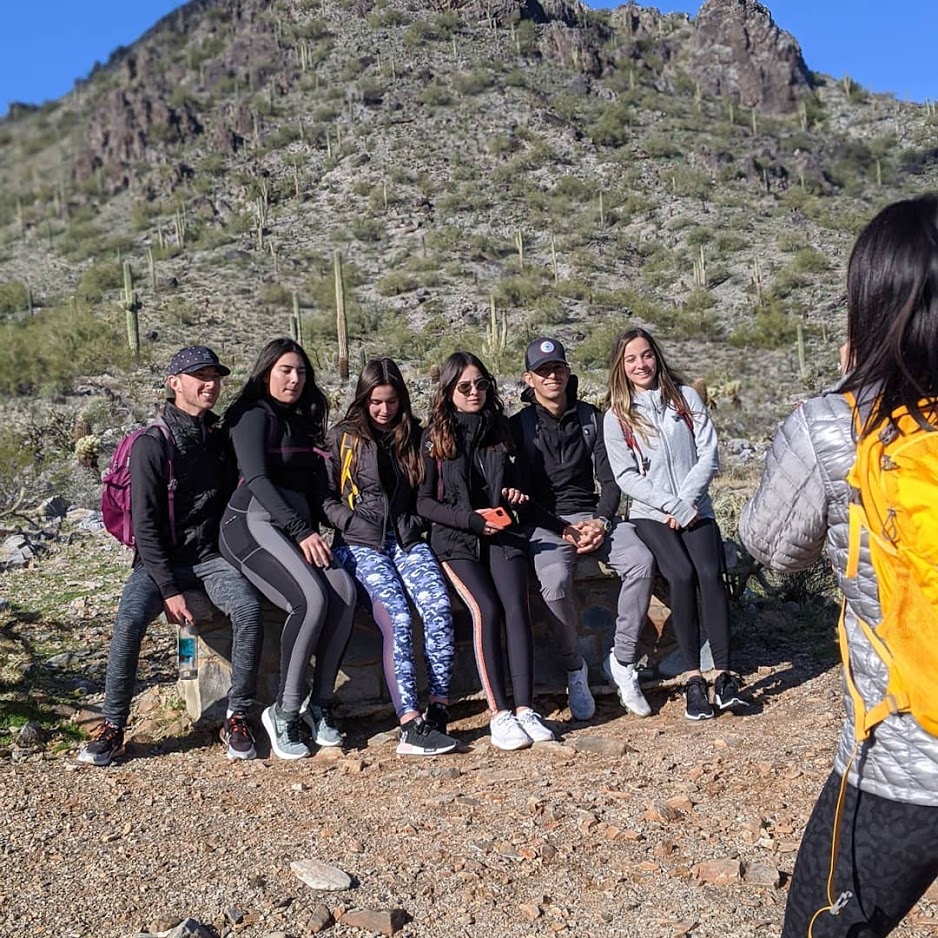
<point x="376" y="468"/>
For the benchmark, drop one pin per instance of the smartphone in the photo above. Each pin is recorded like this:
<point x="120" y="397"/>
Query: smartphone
<point x="496" y="517"/>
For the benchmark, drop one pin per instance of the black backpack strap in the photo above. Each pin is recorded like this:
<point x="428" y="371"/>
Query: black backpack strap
<point x="528" y="420"/>
<point x="169" y="445"/>
<point x="589" y="423"/>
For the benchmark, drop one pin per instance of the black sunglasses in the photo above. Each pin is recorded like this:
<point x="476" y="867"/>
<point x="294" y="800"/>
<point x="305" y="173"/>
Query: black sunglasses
<point x="480" y="384"/>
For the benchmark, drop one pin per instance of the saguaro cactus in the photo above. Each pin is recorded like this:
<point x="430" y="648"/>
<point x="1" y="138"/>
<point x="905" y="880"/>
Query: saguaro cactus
<point x="340" y="317"/>
<point x="130" y="304"/>
<point x="296" y="322"/>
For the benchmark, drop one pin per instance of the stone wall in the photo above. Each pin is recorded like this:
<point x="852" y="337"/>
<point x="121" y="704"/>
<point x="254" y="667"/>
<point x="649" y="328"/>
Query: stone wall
<point x="361" y="686"/>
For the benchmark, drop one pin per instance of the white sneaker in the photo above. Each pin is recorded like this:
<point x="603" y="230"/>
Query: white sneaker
<point x="507" y="733"/>
<point x="625" y="677"/>
<point x="530" y="722"/>
<point x="579" y="696"/>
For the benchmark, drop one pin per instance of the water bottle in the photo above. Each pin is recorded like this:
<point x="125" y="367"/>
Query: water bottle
<point x="188" y="651"/>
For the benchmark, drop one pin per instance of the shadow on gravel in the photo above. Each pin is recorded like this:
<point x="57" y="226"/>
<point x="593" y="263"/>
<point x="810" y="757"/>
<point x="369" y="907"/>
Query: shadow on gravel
<point x="32" y="688"/>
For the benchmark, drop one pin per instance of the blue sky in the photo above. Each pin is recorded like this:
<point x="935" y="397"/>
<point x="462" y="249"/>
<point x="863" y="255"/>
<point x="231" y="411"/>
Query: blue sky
<point x="45" y="46"/>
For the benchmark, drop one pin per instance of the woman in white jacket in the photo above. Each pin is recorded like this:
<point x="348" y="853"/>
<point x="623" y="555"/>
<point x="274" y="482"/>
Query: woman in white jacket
<point x="663" y="450"/>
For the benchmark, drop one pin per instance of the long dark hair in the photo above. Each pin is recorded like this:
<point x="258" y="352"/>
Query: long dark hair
<point x="892" y="311"/>
<point x="404" y="442"/>
<point x="622" y="391"/>
<point x="443" y="410"/>
<point x="312" y="405"/>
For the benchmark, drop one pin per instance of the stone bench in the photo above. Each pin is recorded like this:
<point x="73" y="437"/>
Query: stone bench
<point x="361" y="686"/>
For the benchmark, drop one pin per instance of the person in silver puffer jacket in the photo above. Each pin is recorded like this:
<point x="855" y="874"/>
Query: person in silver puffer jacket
<point x="888" y="822"/>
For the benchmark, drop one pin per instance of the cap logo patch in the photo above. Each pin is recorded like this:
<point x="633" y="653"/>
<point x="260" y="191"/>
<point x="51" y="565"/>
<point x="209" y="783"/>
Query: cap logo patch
<point x="547" y="346"/>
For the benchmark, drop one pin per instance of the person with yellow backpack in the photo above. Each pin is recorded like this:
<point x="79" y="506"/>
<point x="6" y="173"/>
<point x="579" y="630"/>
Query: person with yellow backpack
<point x="376" y="468"/>
<point x="856" y="470"/>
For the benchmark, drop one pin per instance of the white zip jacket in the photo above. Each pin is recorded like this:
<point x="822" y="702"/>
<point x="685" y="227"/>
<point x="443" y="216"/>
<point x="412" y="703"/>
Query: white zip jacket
<point x="669" y="472"/>
<point x="799" y="508"/>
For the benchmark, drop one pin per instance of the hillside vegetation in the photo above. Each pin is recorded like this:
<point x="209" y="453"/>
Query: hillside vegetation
<point x="488" y="171"/>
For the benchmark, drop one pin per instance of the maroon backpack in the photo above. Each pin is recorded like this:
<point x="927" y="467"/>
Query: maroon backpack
<point x="115" y="492"/>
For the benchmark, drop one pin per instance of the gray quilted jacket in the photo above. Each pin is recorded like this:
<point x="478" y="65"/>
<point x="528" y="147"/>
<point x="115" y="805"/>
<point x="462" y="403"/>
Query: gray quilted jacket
<point x="799" y="508"/>
<point x="669" y="472"/>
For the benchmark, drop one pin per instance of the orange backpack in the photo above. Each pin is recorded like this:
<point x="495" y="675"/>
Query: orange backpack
<point x="894" y="484"/>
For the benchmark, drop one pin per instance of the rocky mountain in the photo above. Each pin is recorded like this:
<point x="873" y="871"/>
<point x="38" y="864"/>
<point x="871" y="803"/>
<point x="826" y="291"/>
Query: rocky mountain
<point x="487" y="170"/>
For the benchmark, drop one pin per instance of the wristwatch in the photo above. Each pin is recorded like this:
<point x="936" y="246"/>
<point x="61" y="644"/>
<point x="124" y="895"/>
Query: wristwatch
<point x="606" y="523"/>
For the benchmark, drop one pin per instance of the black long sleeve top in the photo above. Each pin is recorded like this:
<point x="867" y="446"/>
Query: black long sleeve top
<point x="280" y="466"/>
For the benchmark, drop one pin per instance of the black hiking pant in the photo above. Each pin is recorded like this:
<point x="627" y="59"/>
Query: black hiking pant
<point x="888" y="857"/>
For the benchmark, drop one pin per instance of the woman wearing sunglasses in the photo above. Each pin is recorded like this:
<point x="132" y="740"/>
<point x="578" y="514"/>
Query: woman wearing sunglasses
<point x="471" y="488"/>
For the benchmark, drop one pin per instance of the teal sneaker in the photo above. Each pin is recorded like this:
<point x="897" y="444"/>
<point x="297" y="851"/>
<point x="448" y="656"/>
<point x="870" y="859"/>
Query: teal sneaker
<point x="321" y="723"/>
<point x="284" y="734"/>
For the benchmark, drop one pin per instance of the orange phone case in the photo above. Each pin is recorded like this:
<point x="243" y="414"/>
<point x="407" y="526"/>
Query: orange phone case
<point x="497" y="517"/>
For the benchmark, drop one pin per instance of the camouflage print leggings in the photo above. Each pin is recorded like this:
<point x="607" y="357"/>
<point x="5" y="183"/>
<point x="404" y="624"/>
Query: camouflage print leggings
<point x="888" y="857"/>
<point x="385" y="575"/>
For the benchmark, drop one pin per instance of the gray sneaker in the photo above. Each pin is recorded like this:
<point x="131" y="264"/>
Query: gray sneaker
<point x="579" y="695"/>
<point x="625" y="678"/>
<point x="284" y="734"/>
<point x="321" y="725"/>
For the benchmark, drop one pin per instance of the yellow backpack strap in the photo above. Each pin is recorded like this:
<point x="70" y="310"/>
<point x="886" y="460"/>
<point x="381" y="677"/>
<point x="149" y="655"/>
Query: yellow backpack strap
<point x="856" y="514"/>
<point x="860" y="730"/>
<point x="347" y="486"/>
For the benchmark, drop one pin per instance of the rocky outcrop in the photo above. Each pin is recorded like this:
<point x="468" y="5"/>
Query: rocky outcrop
<point x="504" y="12"/>
<point x="577" y="49"/>
<point x="738" y="52"/>
<point x="126" y="123"/>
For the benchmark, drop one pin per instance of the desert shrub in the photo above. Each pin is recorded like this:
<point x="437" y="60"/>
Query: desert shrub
<point x="572" y="187"/>
<point x="611" y="129"/>
<point x="807" y="260"/>
<point x="14" y="297"/>
<point x="276" y="294"/>
<point x="385" y="18"/>
<point x="768" y="329"/>
<point x="660" y="146"/>
<point x="474" y="82"/>
<point x="97" y="279"/>
<point x="435" y="94"/>
<point x="421" y="32"/>
<point x="395" y="283"/>
<point x="82" y="240"/>
<point x="595" y="350"/>
<point x="729" y="243"/>
<point x="367" y="230"/>
<point x="519" y="289"/>
<point x="50" y="350"/>
<point x="692" y="183"/>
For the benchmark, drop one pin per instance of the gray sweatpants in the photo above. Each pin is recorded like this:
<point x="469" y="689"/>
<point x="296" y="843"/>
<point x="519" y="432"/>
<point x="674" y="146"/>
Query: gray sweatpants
<point x="554" y="563"/>
<point x="141" y="602"/>
<point x="319" y="603"/>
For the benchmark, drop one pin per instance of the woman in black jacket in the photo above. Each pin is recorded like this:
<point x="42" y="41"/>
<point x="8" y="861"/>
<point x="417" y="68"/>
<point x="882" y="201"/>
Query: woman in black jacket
<point x="376" y="468"/>
<point x="470" y="469"/>
<point x="270" y="532"/>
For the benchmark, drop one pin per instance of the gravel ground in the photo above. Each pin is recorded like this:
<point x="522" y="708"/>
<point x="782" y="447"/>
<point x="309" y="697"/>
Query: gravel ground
<point x="477" y="843"/>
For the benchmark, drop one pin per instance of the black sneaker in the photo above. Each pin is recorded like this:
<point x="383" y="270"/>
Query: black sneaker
<point x="419" y="738"/>
<point x="696" y="703"/>
<point x="726" y="692"/>
<point x="237" y="735"/>
<point x="102" y="749"/>
<point x="438" y="717"/>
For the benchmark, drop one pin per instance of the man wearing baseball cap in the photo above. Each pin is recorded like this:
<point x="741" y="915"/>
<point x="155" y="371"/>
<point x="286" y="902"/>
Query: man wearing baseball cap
<point x="177" y="549"/>
<point x="562" y="439"/>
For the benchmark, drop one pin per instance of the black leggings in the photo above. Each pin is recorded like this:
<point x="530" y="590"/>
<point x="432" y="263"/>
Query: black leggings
<point x="888" y="857"/>
<point x="495" y="591"/>
<point x="690" y="560"/>
<point x="319" y="603"/>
